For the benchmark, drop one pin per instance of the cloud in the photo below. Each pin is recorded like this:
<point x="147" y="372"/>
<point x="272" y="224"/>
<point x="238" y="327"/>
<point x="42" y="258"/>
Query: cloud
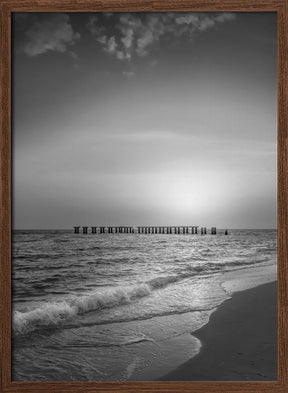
<point x="143" y="42"/>
<point x="52" y="33"/>
<point x="111" y="45"/>
<point x="127" y="40"/>
<point x="135" y="34"/>
<point x="128" y="74"/>
<point x="153" y="63"/>
<point x="121" y="55"/>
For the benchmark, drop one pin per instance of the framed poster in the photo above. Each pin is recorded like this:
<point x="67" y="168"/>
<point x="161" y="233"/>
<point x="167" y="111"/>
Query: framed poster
<point x="144" y="198"/>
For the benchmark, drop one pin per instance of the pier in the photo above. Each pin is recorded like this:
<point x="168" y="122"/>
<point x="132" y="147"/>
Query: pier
<point x="147" y="230"/>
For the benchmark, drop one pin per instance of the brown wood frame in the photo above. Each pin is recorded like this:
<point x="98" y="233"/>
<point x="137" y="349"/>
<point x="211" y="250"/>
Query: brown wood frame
<point x="9" y="6"/>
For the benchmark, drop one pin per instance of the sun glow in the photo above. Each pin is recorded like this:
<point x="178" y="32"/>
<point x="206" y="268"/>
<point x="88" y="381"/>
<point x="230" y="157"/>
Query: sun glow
<point x="188" y="193"/>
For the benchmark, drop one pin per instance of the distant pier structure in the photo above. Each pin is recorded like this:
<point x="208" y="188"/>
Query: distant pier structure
<point x="167" y="230"/>
<point x="213" y="231"/>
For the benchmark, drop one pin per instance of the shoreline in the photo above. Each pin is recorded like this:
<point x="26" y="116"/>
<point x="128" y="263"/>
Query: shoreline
<point x="239" y="343"/>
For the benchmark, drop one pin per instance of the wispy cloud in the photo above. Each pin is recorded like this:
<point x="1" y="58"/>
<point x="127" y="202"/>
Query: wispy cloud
<point x="134" y="35"/>
<point x="52" y="33"/>
<point x="128" y="74"/>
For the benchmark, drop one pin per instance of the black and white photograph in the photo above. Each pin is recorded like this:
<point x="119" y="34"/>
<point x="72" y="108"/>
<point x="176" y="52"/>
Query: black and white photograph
<point x="144" y="196"/>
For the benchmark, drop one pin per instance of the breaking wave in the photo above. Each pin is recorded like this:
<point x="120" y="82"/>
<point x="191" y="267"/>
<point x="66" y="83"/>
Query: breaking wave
<point x="54" y="314"/>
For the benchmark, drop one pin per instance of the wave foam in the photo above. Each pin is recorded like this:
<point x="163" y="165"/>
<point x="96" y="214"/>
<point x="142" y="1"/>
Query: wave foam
<point x="50" y="314"/>
<point x="55" y="313"/>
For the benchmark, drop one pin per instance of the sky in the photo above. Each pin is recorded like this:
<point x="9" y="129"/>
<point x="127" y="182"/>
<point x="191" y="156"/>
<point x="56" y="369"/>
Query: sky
<point x="144" y="119"/>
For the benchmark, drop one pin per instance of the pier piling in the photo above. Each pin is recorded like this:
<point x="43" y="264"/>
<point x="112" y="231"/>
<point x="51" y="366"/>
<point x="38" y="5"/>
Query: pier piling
<point x="147" y="230"/>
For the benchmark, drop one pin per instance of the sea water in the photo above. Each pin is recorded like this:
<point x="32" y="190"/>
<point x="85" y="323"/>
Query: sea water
<point x="117" y="307"/>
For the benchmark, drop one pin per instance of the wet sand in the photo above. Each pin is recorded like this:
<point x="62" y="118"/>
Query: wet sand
<point x="240" y="341"/>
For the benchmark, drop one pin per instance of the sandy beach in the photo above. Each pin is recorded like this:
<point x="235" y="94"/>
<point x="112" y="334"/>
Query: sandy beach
<point x="240" y="341"/>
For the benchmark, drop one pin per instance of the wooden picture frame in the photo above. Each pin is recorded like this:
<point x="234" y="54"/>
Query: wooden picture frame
<point x="10" y="6"/>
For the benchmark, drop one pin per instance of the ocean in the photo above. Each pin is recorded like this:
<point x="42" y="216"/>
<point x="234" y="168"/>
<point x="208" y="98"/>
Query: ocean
<point x="123" y="307"/>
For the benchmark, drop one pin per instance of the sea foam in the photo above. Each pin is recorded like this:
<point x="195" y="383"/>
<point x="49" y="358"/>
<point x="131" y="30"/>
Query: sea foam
<point x="53" y="314"/>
